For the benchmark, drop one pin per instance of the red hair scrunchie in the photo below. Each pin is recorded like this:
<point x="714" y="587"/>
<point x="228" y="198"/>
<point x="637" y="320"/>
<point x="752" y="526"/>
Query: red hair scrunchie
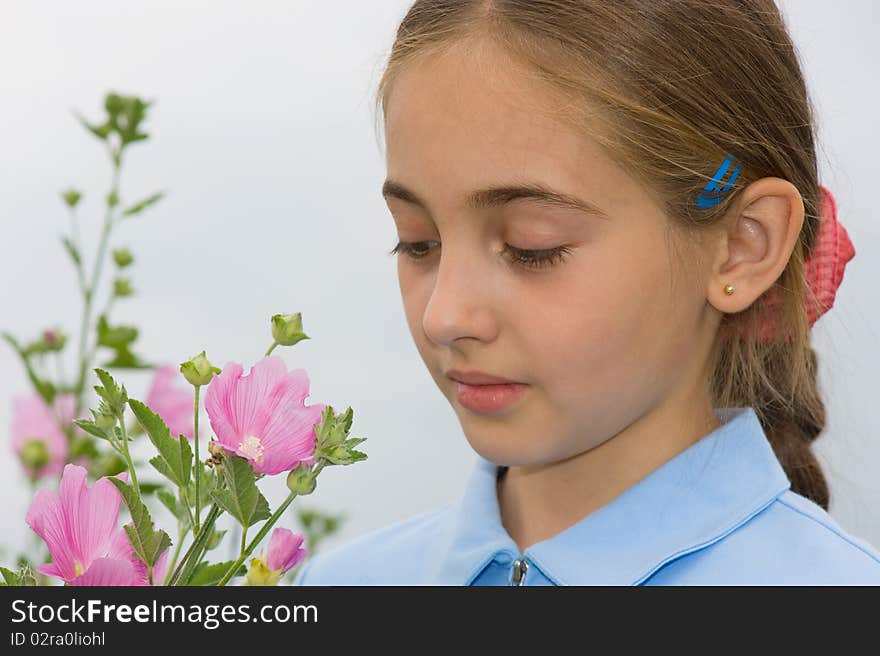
<point x="823" y="270"/>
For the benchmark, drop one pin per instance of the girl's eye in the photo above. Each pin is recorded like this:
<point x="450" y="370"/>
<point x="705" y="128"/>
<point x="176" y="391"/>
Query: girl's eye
<point x="413" y="249"/>
<point x="536" y="259"/>
<point x="530" y="258"/>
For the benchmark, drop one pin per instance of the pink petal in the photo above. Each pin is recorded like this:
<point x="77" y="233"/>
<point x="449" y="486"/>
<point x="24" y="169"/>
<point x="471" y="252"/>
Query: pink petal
<point x="52" y="569"/>
<point x="46" y="517"/>
<point x="160" y="569"/>
<point x="265" y="388"/>
<point x="285" y="550"/>
<point x="120" y="546"/>
<point x="289" y="438"/>
<point x="90" y="514"/>
<point x="234" y="403"/>
<point x="291" y="388"/>
<point x="33" y="419"/>
<point x="173" y="404"/>
<point x="220" y="402"/>
<point x="65" y="406"/>
<point x="109" y="571"/>
<point x="267" y="404"/>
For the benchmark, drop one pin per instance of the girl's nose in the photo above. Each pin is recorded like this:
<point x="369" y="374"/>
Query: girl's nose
<point x="460" y="304"/>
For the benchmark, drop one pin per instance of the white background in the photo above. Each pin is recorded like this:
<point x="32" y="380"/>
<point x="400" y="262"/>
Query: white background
<point x="263" y="136"/>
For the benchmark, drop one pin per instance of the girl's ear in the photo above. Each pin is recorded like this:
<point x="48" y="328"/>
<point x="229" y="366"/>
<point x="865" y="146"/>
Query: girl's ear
<point x="753" y="250"/>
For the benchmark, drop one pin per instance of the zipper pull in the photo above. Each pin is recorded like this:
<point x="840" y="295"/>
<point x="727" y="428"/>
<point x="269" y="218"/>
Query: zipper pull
<point x="520" y="567"/>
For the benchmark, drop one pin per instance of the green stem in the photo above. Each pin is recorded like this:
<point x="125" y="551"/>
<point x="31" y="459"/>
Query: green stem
<point x="271" y="348"/>
<point x="184" y="500"/>
<point x="127" y="456"/>
<point x="263" y="531"/>
<point x="190" y="554"/>
<point x="89" y="292"/>
<point x="198" y="463"/>
<point x="180" y="536"/>
<point x="196" y="557"/>
<point x="74" y="238"/>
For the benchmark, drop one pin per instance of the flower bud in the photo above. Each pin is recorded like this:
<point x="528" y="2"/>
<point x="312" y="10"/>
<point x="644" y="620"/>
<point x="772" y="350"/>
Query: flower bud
<point x="122" y="257"/>
<point x="71" y="197"/>
<point x="34" y="454"/>
<point x="301" y="480"/>
<point x="197" y="370"/>
<point x="287" y="329"/>
<point x="122" y="287"/>
<point x="339" y="455"/>
<point x="260" y="574"/>
<point x="104" y="417"/>
<point x="54" y="340"/>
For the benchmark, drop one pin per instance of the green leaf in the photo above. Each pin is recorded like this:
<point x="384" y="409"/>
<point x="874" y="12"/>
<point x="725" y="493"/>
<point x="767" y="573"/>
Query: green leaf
<point x="241" y="498"/>
<point x="175" y="456"/>
<point x="11" y="577"/>
<point x="125" y="359"/>
<point x="147" y="542"/>
<point x="144" y="204"/>
<point x="71" y="250"/>
<point x="207" y="482"/>
<point x="214" y="539"/>
<point x="150" y="488"/>
<point x="177" y="509"/>
<point x="205" y="574"/>
<point x="115" y="337"/>
<point x="100" y="131"/>
<point x="90" y="427"/>
<point x="113" y="393"/>
<point x="169" y="501"/>
<point x="23" y="577"/>
<point x="43" y="387"/>
<point x="26" y="575"/>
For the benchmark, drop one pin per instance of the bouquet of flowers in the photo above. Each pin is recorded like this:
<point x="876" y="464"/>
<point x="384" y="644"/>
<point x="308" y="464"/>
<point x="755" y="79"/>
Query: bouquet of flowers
<point x="260" y="423"/>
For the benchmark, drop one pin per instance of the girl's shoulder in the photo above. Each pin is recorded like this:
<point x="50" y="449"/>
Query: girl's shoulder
<point x="793" y="541"/>
<point x="401" y="553"/>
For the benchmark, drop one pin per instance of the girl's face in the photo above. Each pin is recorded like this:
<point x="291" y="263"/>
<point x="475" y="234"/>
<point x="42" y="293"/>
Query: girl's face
<point x="602" y="333"/>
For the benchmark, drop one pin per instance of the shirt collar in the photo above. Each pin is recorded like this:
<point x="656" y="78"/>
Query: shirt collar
<point x="691" y="500"/>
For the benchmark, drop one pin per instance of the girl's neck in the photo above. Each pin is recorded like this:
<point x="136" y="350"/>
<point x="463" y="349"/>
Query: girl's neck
<point x="538" y="502"/>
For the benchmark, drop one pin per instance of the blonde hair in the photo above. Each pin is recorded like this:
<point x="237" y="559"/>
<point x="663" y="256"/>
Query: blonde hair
<point x="669" y="88"/>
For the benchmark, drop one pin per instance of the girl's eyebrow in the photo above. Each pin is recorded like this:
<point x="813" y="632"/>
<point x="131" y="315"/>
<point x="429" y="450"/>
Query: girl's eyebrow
<point x="501" y="195"/>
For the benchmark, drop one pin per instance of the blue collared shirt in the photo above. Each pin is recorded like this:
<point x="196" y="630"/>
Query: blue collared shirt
<point x="719" y="513"/>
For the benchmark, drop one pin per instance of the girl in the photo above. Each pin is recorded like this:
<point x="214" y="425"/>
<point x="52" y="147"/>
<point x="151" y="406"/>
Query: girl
<point x="613" y="244"/>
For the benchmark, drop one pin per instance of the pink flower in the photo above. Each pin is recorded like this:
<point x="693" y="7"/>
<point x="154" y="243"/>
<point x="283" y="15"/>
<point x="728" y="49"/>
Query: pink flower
<point x="79" y="525"/>
<point x="37" y="436"/>
<point x="262" y="416"/>
<point x="109" y="571"/>
<point x="285" y="550"/>
<point x="173" y="404"/>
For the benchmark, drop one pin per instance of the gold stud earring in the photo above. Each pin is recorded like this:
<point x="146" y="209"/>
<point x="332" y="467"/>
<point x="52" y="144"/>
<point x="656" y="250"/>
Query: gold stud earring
<point x="728" y="289"/>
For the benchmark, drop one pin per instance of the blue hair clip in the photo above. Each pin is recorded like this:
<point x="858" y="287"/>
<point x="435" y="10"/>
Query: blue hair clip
<point x="713" y="192"/>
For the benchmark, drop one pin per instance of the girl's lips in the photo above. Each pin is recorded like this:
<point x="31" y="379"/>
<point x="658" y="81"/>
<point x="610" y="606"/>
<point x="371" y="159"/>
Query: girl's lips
<point x="488" y="398"/>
